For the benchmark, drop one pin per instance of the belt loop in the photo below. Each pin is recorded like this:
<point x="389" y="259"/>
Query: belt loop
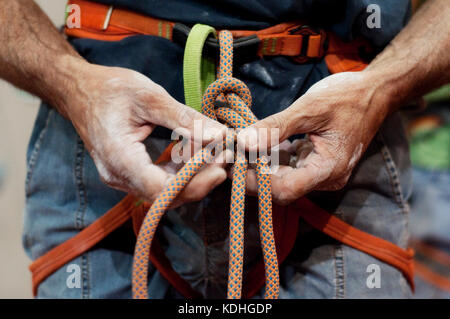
<point x="107" y="18"/>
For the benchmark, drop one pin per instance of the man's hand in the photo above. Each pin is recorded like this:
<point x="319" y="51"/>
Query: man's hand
<point x="114" y="110"/>
<point x="340" y="114"/>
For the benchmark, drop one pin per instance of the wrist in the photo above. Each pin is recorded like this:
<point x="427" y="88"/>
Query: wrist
<point x="388" y="90"/>
<point x="72" y="71"/>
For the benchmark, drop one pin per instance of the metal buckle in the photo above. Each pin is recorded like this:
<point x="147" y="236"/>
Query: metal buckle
<point x="306" y="31"/>
<point x="107" y="18"/>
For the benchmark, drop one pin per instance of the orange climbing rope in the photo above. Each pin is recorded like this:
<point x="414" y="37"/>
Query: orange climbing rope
<point x="238" y="115"/>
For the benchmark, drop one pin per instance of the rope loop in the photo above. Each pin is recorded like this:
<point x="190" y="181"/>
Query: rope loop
<point x="237" y="100"/>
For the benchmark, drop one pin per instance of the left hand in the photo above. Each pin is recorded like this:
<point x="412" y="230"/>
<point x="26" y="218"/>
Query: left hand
<point x="340" y="115"/>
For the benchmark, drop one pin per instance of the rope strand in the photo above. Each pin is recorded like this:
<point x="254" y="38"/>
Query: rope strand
<point x="238" y="115"/>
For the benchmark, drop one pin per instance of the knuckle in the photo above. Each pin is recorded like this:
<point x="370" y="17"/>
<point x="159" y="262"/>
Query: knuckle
<point x="342" y="182"/>
<point x="322" y="171"/>
<point x="192" y="194"/>
<point x="150" y="191"/>
<point x="155" y="93"/>
<point x="288" y="186"/>
<point x="106" y="173"/>
<point x="151" y="197"/>
<point x="183" y="115"/>
<point x="279" y="122"/>
<point x="285" y="195"/>
<point x="336" y="186"/>
<point x="106" y="179"/>
<point x="284" y="199"/>
<point x="110" y="180"/>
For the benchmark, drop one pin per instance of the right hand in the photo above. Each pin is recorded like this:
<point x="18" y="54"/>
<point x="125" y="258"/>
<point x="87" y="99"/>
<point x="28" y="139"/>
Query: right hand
<point x="114" y="110"/>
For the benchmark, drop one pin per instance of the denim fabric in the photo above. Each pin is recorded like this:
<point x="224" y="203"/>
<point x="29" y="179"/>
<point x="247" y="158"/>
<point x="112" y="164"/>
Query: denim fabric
<point x="430" y="221"/>
<point x="64" y="195"/>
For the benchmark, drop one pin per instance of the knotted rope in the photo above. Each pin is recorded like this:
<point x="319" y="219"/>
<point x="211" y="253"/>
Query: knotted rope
<point x="236" y="114"/>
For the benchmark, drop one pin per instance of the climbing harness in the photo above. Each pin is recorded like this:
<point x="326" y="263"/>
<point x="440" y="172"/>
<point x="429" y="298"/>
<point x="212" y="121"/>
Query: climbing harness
<point x="293" y="39"/>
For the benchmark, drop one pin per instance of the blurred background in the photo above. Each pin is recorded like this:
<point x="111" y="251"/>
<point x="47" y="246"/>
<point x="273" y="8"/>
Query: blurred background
<point x="17" y="112"/>
<point x="429" y="131"/>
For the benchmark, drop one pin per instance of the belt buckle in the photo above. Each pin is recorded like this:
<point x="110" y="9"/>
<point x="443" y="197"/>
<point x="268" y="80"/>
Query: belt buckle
<point x="306" y="31"/>
<point x="107" y="18"/>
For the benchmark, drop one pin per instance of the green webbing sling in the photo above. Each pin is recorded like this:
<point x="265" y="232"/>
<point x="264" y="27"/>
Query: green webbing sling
<point x="440" y="95"/>
<point x="198" y="71"/>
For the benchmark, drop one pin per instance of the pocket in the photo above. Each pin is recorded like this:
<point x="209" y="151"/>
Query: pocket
<point x="394" y="150"/>
<point x="38" y="134"/>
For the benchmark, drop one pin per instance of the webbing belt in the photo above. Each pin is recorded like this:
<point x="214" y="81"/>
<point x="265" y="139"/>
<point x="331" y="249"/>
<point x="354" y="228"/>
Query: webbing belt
<point x="292" y="39"/>
<point x="109" y="23"/>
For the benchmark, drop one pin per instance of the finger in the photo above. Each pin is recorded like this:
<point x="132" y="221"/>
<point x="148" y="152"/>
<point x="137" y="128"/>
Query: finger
<point x="299" y="118"/>
<point x="300" y="181"/>
<point x="267" y="132"/>
<point x="200" y="191"/>
<point x="284" y="152"/>
<point x="201" y="184"/>
<point x="251" y="186"/>
<point x="166" y="111"/>
<point x="128" y="167"/>
<point x="336" y="185"/>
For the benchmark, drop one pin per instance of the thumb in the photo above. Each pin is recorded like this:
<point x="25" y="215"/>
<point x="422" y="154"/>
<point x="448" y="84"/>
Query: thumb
<point x="268" y="132"/>
<point x="186" y="121"/>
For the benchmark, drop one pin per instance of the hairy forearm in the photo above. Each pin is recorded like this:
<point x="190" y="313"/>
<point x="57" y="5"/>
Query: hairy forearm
<point x="34" y="56"/>
<point x="417" y="60"/>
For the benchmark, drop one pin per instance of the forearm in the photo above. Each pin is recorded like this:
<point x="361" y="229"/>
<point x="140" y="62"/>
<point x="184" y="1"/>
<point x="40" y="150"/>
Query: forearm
<point x="417" y="60"/>
<point x="34" y="56"/>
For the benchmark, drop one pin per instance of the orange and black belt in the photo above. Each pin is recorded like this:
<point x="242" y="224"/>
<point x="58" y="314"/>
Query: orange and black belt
<point x="112" y="24"/>
<point x="293" y="39"/>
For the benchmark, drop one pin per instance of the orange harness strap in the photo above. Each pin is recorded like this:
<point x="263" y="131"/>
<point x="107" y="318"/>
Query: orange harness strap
<point x="345" y="56"/>
<point x="294" y="39"/>
<point x="376" y="247"/>
<point x="47" y="264"/>
<point x="102" y="22"/>
<point x="432" y="277"/>
<point x="285" y="220"/>
<point x="427" y="256"/>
